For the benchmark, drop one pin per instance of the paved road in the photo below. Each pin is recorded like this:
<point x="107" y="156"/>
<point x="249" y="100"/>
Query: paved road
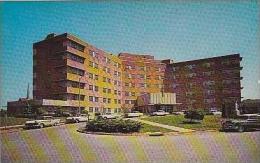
<point x="64" y="144"/>
<point x="173" y="128"/>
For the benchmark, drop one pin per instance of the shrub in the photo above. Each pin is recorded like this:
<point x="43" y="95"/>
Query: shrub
<point x="194" y="115"/>
<point x="113" y="125"/>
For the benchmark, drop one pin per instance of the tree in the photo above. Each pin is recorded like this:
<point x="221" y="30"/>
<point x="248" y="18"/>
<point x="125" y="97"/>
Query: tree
<point x="194" y="115"/>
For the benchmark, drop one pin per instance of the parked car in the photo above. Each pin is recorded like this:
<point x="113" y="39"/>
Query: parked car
<point x="109" y="116"/>
<point x="134" y="114"/>
<point x="242" y="123"/>
<point x="215" y="112"/>
<point x="178" y="113"/>
<point x="77" y="119"/>
<point x="160" y="113"/>
<point x="44" y="121"/>
<point x="66" y="114"/>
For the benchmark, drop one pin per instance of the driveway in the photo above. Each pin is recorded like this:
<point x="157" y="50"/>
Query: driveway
<point x="64" y="144"/>
<point x="173" y="128"/>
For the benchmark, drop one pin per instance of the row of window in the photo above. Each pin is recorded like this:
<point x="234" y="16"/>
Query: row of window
<point x="104" y="110"/>
<point x="73" y="57"/>
<point x="141" y="68"/>
<point x="105" y="100"/>
<point x="142" y="76"/>
<point x="105" y="59"/>
<point x="207" y="64"/>
<point x="74" y="70"/>
<point x="75" y="45"/>
<point x="129" y="93"/>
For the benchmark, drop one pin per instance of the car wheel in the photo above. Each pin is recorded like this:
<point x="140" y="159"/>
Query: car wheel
<point x="241" y="128"/>
<point x="77" y="121"/>
<point x="41" y="125"/>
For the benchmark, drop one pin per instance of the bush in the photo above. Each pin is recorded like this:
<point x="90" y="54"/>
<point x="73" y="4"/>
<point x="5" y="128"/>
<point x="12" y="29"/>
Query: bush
<point x="194" y="115"/>
<point x="113" y="125"/>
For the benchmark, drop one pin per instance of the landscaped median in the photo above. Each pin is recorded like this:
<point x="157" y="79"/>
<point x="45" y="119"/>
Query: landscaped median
<point x="120" y="127"/>
<point x="210" y="122"/>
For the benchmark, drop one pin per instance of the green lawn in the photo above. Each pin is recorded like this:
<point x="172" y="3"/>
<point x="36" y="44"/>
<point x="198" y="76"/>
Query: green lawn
<point x="148" y="128"/>
<point x="209" y="121"/>
<point x="10" y="121"/>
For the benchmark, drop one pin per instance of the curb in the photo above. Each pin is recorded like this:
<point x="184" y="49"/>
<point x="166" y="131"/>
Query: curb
<point x="11" y="127"/>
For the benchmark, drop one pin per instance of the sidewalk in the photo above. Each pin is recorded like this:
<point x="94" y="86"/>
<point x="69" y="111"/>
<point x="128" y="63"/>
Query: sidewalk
<point x="173" y="128"/>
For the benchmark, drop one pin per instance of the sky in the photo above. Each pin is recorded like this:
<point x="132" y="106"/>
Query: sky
<point x="166" y="29"/>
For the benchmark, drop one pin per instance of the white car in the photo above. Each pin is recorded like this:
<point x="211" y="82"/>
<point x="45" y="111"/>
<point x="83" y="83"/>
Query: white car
<point x="77" y="119"/>
<point x="216" y="112"/>
<point x="44" y="121"/>
<point x="134" y="114"/>
<point x="109" y="116"/>
<point x="160" y="113"/>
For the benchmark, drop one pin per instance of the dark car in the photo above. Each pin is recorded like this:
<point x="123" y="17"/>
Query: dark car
<point x="242" y="123"/>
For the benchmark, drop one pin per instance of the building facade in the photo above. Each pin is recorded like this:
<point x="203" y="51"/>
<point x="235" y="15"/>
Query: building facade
<point x="66" y="68"/>
<point x="206" y="83"/>
<point x="69" y="69"/>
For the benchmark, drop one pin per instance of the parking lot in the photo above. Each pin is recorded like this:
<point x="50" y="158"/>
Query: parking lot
<point x="64" y="144"/>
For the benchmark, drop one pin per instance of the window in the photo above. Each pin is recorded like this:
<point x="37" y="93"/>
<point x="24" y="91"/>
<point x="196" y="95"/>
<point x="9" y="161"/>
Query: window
<point x="92" y="53"/>
<point x="75" y="45"/>
<point x="96" y="88"/>
<point x="142" y="68"/>
<point x="141" y="76"/>
<point x="73" y="57"/>
<point x="90" y="75"/>
<point x="104" y="90"/>
<point x="191" y="67"/>
<point x="109" y="91"/>
<point x="104" y="79"/>
<point x="104" y="100"/>
<point x="190" y="75"/>
<point x="74" y="70"/>
<point x="127" y="84"/>
<point x="133" y="93"/>
<point x="91" y="98"/>
<point x="119" y="93"/>
<point x="175" y="69"/>
<point x="109" y="100"/>
<point x="90" y="109"/>
<point x="208" y="83"/>
<point x="119" y="101"/>
<point x="115" y="92"/>
<point x="128" y="67"/>
<point x="95" y="65"/>
<point x="96" y="99"/>
<point x="109" y="110"/>
<point x="96" y="109"/>
<point x="90" y="87"/>
<point x="208" y="73"/>
<point x="91" y="64"/>
<point x="104" y="110"/>
<point x="96" y="77"/>
<point x="115" y="101"/>
<point x="209" y="100"/>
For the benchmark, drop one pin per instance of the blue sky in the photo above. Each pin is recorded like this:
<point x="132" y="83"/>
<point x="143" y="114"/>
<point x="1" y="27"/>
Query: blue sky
<point x="177" y="30"/>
